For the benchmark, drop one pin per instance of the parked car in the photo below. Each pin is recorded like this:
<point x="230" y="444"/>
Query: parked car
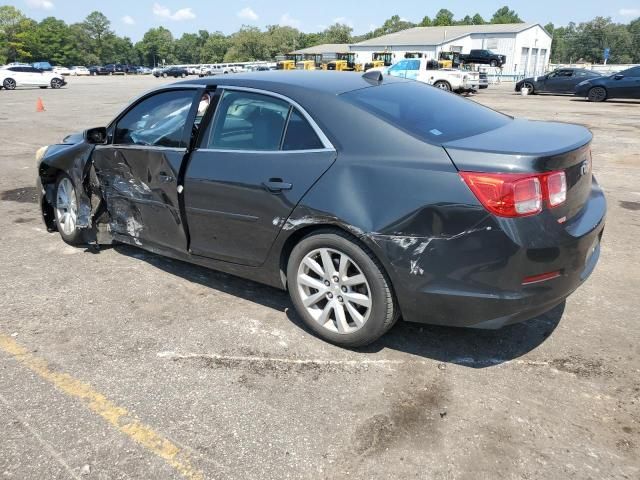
<point x="625" y="84"/>
<point x="562" y="80"/>
<point x="98" y="70"/>
<point x="366" y="196"/>
<point x="79" y="71"/>
<point x="13" y="77"/>
<point x="483" y="57"/>
<point x="44" y="66"/>
<point x="144" y="71"/>
<point x="428" y="71"/>
<point x="171" y="72"/>
<point x="60" y="70"/>
<point x="115" y="69"/>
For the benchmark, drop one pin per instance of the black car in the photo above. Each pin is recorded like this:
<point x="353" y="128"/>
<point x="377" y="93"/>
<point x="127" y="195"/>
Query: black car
<point x="625" y="84"/>
<point x="98" y="70"/>
<point x="483" y="57"/>
<point x="562" y="80"/>
<point x="171" y="72"/>
<point x="115" y="69"/>
<point x="369" y="198"/>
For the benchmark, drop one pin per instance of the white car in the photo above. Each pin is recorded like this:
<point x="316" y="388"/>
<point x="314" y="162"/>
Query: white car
<point x="13" y="77"/>
<point x="78" y="71"/>
<point x="61" y="71"/>
<point x="423" y="70"/>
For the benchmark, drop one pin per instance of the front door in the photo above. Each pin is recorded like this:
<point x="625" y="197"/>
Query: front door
<point x="560" y="81"/>
<point x="254" y="163"/>
<point x="139" y="170"/>
<point x="626" y="85"/>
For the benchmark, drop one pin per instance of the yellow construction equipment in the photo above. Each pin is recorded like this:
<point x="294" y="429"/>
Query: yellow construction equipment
<point x="310" y="61"/>
<point x="289" y="61"/>
<point x="449" y="59"/>
<point x="345" y="62"/>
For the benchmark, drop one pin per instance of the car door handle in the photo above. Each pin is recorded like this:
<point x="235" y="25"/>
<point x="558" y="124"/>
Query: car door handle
<point x="165" y="178"/>
<point x="275" y="185"/>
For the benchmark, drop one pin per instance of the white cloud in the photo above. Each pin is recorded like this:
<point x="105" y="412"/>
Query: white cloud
<point x="43" y="4"/>
<point x="247" y="13"/>
<point x="178" y="15"/>
<point x="629" y="12"/>
<point x="343" y="21"/>
<point x="289" y="21"/>
<point x="128" y="20"/>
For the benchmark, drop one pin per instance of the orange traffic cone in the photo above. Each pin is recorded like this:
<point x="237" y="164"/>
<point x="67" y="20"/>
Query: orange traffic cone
<point x="39" y="105"/>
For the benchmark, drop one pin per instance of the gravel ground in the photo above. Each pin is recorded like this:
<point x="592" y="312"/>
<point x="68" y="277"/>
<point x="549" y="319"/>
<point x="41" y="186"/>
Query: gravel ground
<point x="123" y="364"/>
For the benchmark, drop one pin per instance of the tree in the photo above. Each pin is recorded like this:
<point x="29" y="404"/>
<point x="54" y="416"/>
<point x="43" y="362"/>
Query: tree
<point x="98" y="28"/>
<point x="215" y="48"/>
<point x="443" y="18"/>
<point x="157" y="46"/>
<point x="247" y="44"/>
<point x="281" y="40"/>
<point x="478" y="20"/>
<point x="505" y="15"/>
<point x="337" y="33"/>
<point x="13" y="25"/>
<point x="634" y="30"/>
<point x="392" y="25"/>
<point x="467" y="20"/>
<point x="426" y="21"/>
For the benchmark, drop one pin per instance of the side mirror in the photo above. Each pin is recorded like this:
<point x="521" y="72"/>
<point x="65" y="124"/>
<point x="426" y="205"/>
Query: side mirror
<point x="618" y="76"/>
<point x="96" y="135"/>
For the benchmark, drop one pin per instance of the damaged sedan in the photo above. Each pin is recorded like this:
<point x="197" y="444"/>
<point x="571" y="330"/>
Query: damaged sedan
<point x="368" y="198"/>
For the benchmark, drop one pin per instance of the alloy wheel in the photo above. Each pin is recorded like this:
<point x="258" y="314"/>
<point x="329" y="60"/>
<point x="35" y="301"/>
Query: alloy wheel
<point x="56" y="83"/>
<point x="9" y="84"/>
<point x="528" y="86"/>
<point x="442" y="86"/>
<point x="66" y="207"/>
<point x="334" y="290"/>
<point x="597" y="94"/>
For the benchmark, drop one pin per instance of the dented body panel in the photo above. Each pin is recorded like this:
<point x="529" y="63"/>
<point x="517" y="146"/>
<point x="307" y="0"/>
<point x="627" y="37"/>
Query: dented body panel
<point x="449" y="260"/>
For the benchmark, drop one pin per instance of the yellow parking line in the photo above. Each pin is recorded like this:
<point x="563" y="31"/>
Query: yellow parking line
<point x="98" y="403"/>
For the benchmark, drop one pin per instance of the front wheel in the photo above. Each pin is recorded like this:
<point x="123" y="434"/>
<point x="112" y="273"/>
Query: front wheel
<point x="340" y="289"/>
<point x="66" y="211"/>
<point x="9" y="84"/>
<point x="493" y="63"/>
<point x="597" y="94"/>
<point x="56" y="83"/>
<point x="528" y="86"/>
<point x="442" y="85"/>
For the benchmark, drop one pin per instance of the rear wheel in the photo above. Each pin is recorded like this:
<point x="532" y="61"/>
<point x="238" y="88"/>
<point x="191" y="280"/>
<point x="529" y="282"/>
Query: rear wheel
<point x="9" y="84"/>
<point x="442" y="85"/>
<point x="66" y="211"/>
<point x="597" y="94"/>
<point x="340" y="290"/>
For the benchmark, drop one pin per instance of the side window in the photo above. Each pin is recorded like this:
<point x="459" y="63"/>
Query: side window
<point x="632" y="72"/>
<point x="248" y="121"/>
<point x="413" y="65"/>
<point x="159" y="120"/>
<point x="300" y="135"/>
<point x="565" y="73"/>
<point x="401" y="65"/>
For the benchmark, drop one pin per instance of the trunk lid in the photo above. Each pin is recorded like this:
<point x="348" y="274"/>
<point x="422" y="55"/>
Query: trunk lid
<point x="523" y="146"/>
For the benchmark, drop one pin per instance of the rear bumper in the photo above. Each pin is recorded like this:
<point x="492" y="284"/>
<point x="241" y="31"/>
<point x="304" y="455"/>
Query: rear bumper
<point x="475" y="279"/>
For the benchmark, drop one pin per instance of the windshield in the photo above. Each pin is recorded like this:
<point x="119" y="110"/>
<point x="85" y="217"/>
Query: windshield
<point x="427" y="112"/>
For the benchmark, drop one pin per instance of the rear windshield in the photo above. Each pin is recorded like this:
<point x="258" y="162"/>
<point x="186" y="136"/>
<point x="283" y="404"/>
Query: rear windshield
<point x="427" y="112"/>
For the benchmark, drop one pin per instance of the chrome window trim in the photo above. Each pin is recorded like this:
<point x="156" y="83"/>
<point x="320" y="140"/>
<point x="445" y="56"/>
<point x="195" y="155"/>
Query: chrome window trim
<point x="135" y="146"/>
<point x="323" y="138"/>
<point x="229" y="150"/>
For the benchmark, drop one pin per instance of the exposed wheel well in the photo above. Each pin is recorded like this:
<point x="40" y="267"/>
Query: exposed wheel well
<point x="48" y="177"/>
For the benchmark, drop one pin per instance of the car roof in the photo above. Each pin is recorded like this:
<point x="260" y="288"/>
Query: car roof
<point x="291" y="81"/>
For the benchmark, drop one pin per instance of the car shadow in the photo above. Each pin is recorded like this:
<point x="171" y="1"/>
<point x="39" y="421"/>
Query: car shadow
<point x="611" y="101"/>
<point x="462" y="346"/>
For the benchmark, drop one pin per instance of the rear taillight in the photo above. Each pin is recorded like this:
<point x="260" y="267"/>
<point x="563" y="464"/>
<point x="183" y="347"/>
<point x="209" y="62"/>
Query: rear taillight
<point x="516" y="194"/>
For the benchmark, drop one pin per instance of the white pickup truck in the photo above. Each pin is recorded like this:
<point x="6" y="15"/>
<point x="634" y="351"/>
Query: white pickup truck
<point x="422" y="70"/>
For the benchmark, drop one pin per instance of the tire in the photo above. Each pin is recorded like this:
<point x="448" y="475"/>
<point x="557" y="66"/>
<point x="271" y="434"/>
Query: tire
<point x="44" y="88"/>
<point x="56" y="83"/>
<point x="372" y="310"/>
<point x="442" y="85"/>
<point x="493" y="63"/>
<point x="182" y="75"/>
<point x="164" y="75"/>
<point x="529" y="86"/>
<point x="597" y="94"/>
<point x="9" y="84"/>
<point x="66" y="211"/>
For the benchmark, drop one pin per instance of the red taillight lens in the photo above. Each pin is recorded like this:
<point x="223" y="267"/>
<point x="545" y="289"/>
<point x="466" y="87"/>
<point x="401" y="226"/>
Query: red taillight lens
<point x="556" y="188"/>
<point x="506" y="194"/>
<point x="516" y="194"/>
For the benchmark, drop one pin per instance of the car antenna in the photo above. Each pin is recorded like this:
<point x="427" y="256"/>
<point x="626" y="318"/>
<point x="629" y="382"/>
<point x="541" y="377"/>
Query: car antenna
<point x="373" y="76"/>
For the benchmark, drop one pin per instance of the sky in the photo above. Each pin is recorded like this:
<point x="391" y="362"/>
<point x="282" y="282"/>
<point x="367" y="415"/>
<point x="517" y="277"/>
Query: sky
<point x="134" y="17"/>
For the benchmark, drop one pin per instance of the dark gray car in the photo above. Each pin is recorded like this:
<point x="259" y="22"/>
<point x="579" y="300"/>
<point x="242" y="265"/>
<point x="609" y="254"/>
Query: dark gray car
<point x="368" y="198"/>
<point x="563" y="80"/>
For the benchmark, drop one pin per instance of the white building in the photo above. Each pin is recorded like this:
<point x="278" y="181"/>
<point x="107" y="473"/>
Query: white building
<point x="527" y="46"/>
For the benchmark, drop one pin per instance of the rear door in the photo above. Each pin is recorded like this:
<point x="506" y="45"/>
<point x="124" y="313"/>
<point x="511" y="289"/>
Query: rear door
<point x="260" y="154"/>
<point x="560" y="81"/>
<point x="628" y="86"/>
<point x="139" y="170"/>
